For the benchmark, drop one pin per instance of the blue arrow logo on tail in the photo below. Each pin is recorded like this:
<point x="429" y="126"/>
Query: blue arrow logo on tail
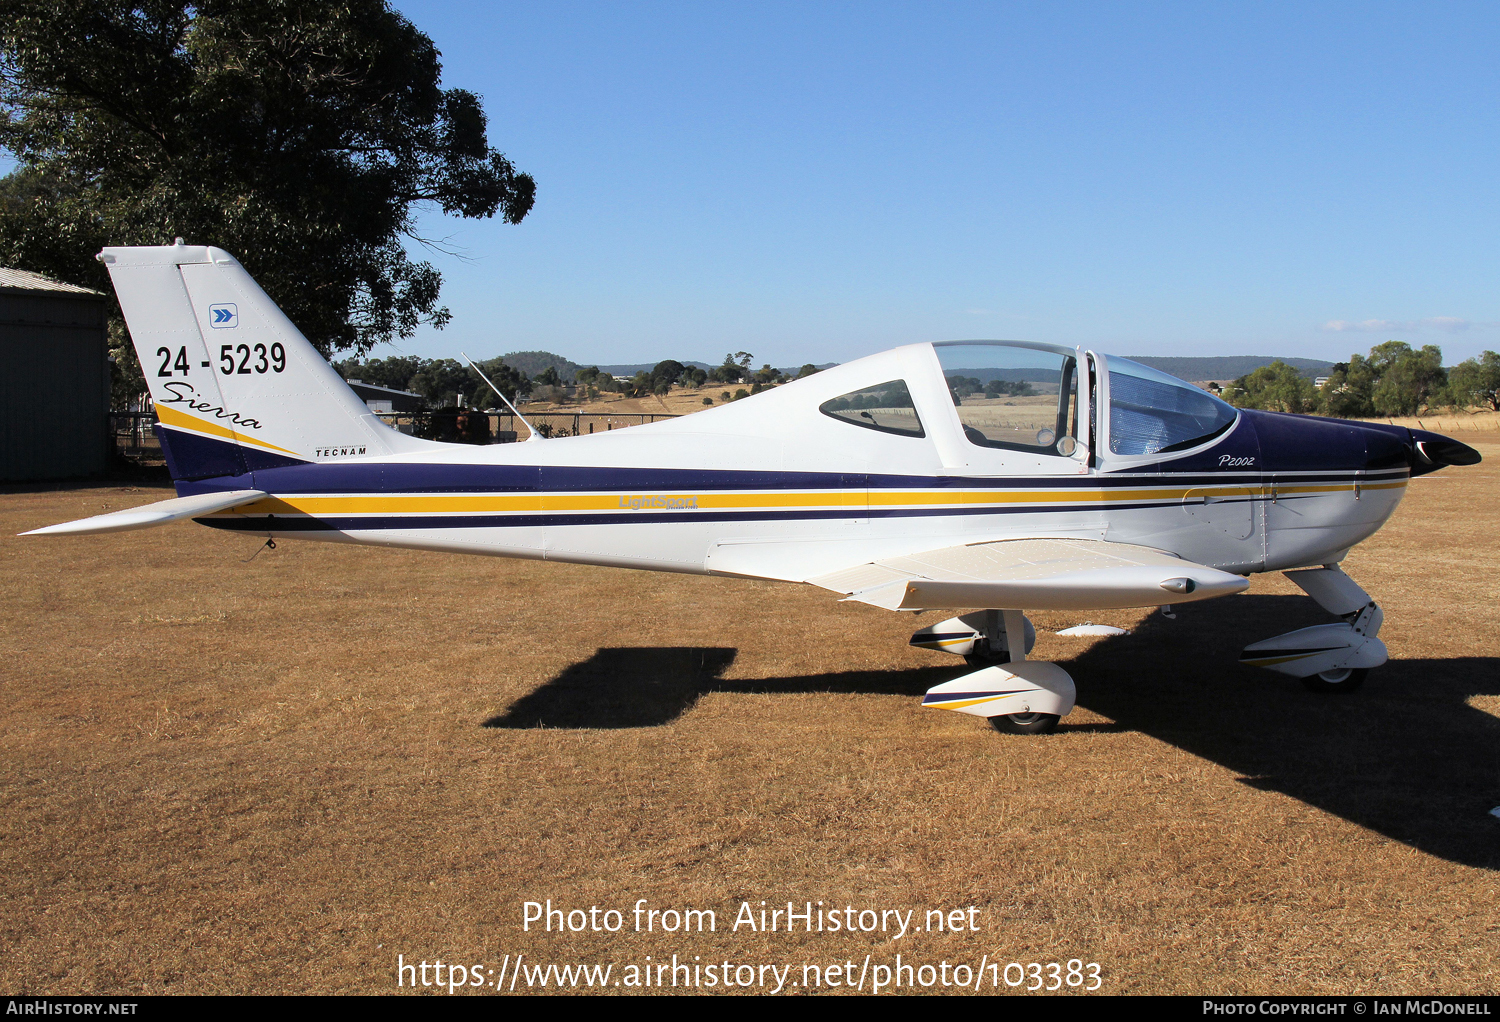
<point x="223" y="317"/>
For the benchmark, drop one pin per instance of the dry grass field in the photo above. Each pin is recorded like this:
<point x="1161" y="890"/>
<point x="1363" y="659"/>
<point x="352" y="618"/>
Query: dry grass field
<point x="221" y="773"/>
<point x="1459" y="424"/>
<point x="679" y="402"/>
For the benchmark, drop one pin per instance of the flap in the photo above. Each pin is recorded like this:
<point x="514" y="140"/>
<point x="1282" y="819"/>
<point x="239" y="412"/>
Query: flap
<point x="1032" y="574"/>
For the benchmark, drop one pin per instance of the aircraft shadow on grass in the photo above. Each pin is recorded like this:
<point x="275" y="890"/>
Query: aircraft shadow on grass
<point x="1404" y="756"/>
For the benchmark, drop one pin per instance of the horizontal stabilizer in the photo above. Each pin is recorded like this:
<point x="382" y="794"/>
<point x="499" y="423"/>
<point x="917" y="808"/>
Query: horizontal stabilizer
<point x="1034" y="574"/>
<point x="160" y="513"/>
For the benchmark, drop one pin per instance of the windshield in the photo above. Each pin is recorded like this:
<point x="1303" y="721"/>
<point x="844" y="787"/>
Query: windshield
<point x="1153" y="413"/>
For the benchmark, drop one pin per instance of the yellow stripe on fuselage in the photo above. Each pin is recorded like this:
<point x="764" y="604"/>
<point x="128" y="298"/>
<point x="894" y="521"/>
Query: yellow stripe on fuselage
<point x="503" y="503"/>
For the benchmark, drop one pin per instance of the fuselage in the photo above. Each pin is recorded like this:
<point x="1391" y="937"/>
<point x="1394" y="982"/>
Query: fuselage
<point x="777" y="486"/>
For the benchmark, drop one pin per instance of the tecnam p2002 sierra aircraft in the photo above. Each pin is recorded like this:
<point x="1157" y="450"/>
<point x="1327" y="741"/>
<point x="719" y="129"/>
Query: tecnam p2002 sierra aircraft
<point x="1003" y="476"/>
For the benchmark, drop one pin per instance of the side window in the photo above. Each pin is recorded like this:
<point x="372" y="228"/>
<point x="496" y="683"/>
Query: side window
<point x="1012" y="397"/>
<point x="887" y="407"/>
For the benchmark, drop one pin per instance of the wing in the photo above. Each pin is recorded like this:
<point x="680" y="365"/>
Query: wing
<point x="160" y="513"/>
<point x="1032" y="574"/>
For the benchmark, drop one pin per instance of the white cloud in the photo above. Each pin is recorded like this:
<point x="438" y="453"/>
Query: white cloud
<point x="1452" y="324"/>
<point x="1369" y="326"/>
<point x="1447" y="324"/>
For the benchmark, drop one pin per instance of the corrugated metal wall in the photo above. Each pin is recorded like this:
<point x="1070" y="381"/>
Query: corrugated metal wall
<point x="54" y="386"/>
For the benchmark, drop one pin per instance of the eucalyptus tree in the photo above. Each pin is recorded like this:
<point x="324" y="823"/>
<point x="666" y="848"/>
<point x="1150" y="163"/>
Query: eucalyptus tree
<point x="303" y="137"/>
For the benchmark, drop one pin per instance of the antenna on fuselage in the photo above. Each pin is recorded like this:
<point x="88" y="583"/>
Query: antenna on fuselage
<point x="534" y="434"/>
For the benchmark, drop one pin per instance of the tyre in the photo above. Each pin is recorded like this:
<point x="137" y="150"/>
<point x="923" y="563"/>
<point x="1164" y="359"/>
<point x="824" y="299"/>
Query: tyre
<point x="1025" y="723"/>
<point x="1344" y="679"/>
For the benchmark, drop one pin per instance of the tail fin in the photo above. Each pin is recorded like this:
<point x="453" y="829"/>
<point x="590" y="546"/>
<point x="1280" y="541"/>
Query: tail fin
<point x="236" y="386"/>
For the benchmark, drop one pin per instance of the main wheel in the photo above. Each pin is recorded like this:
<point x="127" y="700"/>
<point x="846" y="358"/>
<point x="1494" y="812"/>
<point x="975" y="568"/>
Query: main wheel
<point x="1025" y="723"/>
<point x="1344" y="679"/>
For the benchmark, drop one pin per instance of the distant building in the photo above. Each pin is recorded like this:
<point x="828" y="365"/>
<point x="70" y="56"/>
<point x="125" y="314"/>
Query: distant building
<point x="54" y="379"/>
<point x="1320" y="381"/>
<point x="385" y="399"/>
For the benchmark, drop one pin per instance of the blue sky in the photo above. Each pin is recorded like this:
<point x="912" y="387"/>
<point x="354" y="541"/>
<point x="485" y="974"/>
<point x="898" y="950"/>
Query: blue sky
<point x="815" y="182"/>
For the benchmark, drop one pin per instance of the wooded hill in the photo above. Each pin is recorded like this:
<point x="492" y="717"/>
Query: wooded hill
<point x="1228" y="367"/>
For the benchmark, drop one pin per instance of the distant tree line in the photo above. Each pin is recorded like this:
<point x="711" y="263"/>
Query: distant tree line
<point x="665" y="375"/>
<point x="440" y="380"/>
<point x="671" y="373"/>
<point x="893" y="396"/>
<point x="443" y="381"/>
<point x="966" y="386"/>
<point x="1394" y="379"/>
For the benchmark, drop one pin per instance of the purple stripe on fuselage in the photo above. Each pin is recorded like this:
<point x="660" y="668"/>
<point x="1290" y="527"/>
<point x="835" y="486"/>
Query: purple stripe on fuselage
<point x="1336" y="463"/>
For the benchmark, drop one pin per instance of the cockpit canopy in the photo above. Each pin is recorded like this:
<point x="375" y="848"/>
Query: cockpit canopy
<point x="1023" y="396"/>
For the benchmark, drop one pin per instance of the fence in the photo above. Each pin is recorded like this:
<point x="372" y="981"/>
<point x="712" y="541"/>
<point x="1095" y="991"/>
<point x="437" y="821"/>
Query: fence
<point x="1449" y="423"/>
<point x="133" y="437"/>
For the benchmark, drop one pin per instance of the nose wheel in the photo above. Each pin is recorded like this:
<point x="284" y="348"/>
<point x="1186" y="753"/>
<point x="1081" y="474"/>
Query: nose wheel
<point x="1344" y="679"/>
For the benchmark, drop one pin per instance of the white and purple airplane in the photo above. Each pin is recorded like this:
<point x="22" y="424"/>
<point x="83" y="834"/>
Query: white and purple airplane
<point x="987" y="476"/>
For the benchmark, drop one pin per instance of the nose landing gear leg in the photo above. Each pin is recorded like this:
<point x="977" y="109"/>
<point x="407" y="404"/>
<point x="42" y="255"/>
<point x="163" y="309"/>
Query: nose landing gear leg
<point x="1328" y="658"/>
